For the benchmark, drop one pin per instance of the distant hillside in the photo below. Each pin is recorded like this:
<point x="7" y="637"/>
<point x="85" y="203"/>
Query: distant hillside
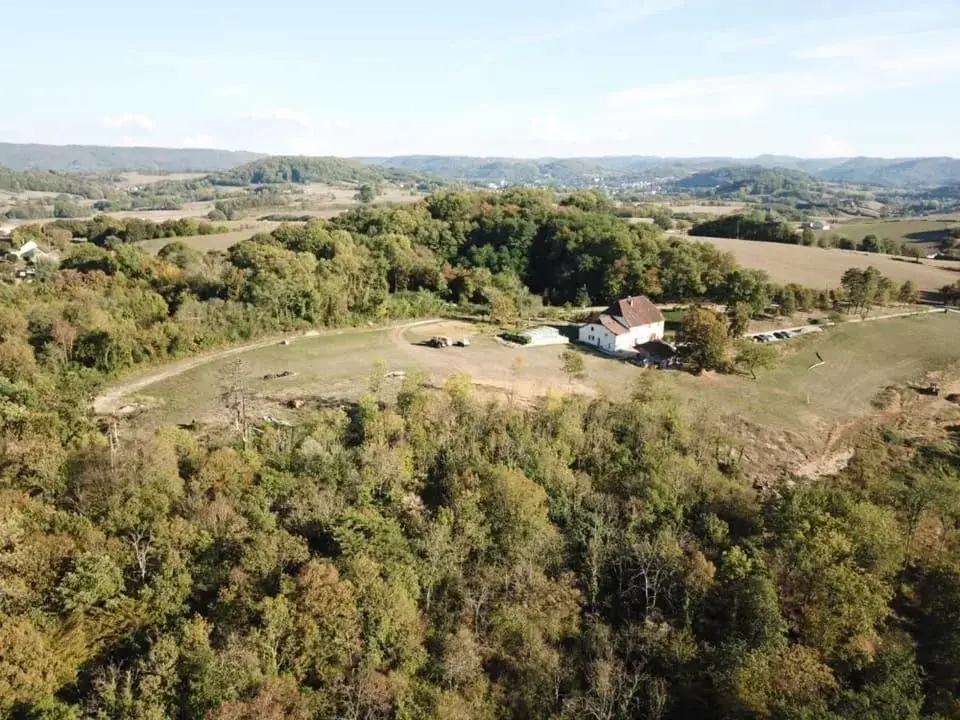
<point x="793" y="193"/>
<point x="921" y="172"/>
<point x="947" y="192"/>
<point x="513" y="171"/>
<point x="914" y="172"/>
<point x="102" y="159"/>
<point x="910" y="173"/>
<point x="302" y="169"/>
<point x="747" y="180"/>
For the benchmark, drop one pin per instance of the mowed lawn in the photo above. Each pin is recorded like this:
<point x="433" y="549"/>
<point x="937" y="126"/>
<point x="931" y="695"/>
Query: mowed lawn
<point x="822" y="268"/>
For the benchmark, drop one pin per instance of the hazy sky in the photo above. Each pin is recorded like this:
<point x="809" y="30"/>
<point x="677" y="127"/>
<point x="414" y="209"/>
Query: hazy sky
<point x="499" y="77"/>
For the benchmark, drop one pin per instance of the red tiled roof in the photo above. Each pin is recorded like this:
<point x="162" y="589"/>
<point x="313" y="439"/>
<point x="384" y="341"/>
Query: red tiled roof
<point x="636" y="311"/>
<point x="612" y="325"/>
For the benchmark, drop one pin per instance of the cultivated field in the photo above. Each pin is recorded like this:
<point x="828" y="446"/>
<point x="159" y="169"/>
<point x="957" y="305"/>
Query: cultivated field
<point x="131" y="179"/>
<point x="925" y="232"/>
<point x="725" y="209"/>
<point x="791" y="417"/>
<point x="317" y="200"/>
<point x="821" y="268"/>
<point x="240" y="230"/>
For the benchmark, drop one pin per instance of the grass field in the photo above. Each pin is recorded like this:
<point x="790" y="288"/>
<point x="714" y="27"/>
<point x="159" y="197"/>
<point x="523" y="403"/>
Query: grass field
<point x="140" y="179"/>
<point x="724" y="209"/>
<point x="820" y="268"/>
<point x="792" y="413"/>
<point x="925" y="232"/>
<point x="240" y="230"/>
<point x="338" y="364"/>
<point x="789" y="417"/>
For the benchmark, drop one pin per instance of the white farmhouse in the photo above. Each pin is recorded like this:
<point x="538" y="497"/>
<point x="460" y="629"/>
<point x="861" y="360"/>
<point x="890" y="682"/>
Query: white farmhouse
<point x="624" y="325"/>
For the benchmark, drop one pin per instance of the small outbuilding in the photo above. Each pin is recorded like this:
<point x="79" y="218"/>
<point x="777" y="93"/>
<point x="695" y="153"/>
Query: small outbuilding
<point x="657" y="353"/>
<point x="545" y="335"/>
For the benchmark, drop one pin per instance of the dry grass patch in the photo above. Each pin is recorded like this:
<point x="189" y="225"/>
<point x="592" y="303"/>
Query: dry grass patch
<point x="131" y="179"/>
<point x="925" y="232"/>
<point x="205" y="243"/>
<point x="822" y="268"/>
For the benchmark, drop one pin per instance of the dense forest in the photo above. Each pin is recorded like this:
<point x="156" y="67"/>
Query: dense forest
<point x="439" y="555"/>
<point x="299" y="169"/>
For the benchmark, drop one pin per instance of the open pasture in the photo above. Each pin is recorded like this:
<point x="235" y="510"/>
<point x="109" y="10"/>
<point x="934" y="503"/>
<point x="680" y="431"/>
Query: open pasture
<point x="822" y="268"/>
<point x="789" y="417"/>
<point x="925" y="232"/>
<point x="239" y="230"/>
<point x="792" y="415"/>
<point x="139" y="179"/>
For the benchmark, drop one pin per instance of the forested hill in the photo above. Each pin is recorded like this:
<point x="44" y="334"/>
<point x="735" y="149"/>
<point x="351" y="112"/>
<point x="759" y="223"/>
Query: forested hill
<point x="514" y="171"/>
<point x="900" y="172"/>
<point x="303" y="169"/>
<point x="912" y="172"/>
<point x="98" y="159"/>
<point x="750" y="180"/>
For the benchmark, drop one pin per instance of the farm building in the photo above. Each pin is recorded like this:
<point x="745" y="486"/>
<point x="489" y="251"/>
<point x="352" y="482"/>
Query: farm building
<point x="544" y="335"/>
<point x="657" y="353"/>
<point x="624" y="325"/>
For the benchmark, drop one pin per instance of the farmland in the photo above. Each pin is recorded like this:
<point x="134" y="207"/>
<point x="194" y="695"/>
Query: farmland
<point x="240" y="230"/>
<point x="926" y="232"/>
<point x="823" y="268"/>
<point x="320" y="200"/>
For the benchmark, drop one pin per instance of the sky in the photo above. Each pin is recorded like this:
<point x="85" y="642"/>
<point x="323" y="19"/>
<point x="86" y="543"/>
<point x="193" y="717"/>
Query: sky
<point x="526" y="78"/>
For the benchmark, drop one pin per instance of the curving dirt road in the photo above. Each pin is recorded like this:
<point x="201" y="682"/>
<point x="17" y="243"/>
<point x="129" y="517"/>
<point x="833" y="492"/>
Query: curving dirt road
<point x="110" y="400"/>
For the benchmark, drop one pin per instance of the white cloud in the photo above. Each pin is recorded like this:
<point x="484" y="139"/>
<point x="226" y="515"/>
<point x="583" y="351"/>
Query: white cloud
<point x="201" y="140"/>
<point x="133" y="120"/>
<point x="128" y="141"/>
<point x="283" y="115"/>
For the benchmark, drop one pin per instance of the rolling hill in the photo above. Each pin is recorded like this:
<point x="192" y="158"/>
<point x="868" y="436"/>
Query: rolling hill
<point x="911" y="173"/>
<point x="898" y="172"/>
<point x="104" y="159"/>
<point x="303" y="169"/>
